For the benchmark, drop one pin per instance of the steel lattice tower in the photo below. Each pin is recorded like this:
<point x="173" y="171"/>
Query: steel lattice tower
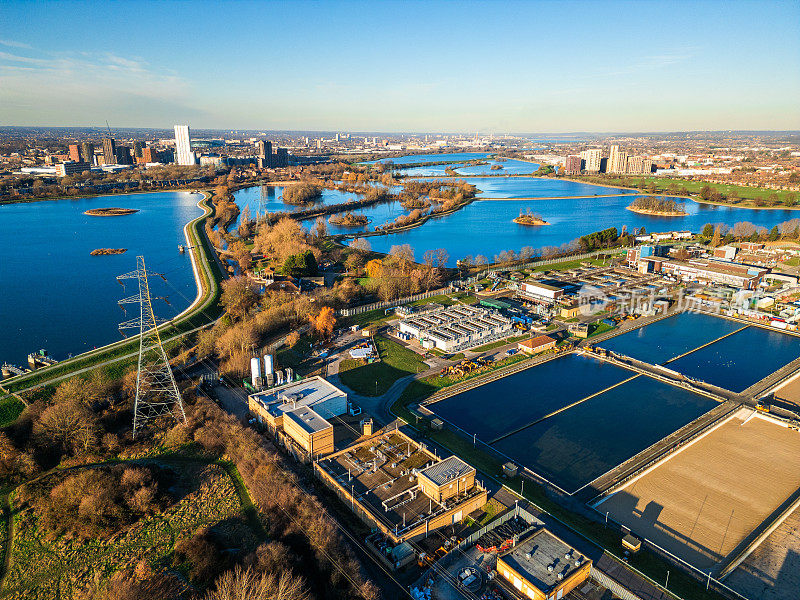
<point x="261" y="211"/>
<point x="157" y="392"/>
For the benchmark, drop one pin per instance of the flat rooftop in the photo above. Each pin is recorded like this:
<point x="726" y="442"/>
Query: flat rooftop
<point x="532" y="557"/>
<point x="382" y="474"/>
<point x="309" y="420"/>
<point x="282" y="399"/>
<point x="447" y="470"/>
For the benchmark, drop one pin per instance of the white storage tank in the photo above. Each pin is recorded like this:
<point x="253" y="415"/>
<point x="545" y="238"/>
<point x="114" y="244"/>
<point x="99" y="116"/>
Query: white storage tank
<point x="255" y="371"/>
<point x="279" y="375"/>
<point x="289" y="375"/>
<point x="269" y="364"/>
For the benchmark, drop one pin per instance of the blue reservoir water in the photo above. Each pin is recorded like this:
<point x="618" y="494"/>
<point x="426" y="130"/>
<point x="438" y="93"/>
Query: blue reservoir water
<point x="581" y="443"/>
<point x="486" y="226"/>
<point x="508" y="167"/>
<point x="270" y="197"/>
<point x="740" y="360"/>
<point x="58" y="297"/>
<point x="378" y="214"/>
<point x="422" y="158"/>
<point x="502" y="406"/>
<point x="671" y="337"/>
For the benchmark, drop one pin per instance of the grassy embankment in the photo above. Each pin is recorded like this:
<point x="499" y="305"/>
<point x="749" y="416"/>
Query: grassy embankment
<point x="747" y="193"/>
<point x="209" y="493"/>
<point x="119" y="353"/>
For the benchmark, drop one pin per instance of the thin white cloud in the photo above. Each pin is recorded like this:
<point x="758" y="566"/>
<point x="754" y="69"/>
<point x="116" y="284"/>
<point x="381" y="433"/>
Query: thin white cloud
<point x="94" y="83"/>
<point x="13" y="44"/>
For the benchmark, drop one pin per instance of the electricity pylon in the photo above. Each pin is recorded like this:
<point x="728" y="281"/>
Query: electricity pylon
<point x="157" y="392"/>
<point x="261" y="211"/>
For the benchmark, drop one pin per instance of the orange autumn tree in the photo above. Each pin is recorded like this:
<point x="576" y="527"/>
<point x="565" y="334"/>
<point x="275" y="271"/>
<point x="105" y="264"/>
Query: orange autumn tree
<point x="322" y="325"/>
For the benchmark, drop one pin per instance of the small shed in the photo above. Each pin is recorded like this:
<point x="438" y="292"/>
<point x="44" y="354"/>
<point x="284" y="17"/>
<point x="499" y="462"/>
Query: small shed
<point x="510" y="469"/>
<point x="631" y="543"/>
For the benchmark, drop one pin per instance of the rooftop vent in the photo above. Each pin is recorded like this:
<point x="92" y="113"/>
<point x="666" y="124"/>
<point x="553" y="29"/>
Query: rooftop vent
<point x="560" y="576"/>
<point x="549" y="568"/>
<point x="578" y="563"/>
<point x="528" y="554"/>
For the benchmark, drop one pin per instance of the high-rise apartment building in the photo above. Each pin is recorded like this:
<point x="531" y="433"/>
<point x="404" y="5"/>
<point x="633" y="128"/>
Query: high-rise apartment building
<point x="639" y="165"/>
<point x="75" y="152"/>
<point x="87" y="152"/>
<point x="149" y="155"/>
<point x="572" y="165"/>
<point x="617" y="161"/>
<point x="183" y="146"/>
<point x="593" y="159"/>
<point x="137" y="149"/>
<point x="281" y="158"/>
<point x="122" y="154"/>
<point x="109" y="151"/>
<point x="264" y="149"/>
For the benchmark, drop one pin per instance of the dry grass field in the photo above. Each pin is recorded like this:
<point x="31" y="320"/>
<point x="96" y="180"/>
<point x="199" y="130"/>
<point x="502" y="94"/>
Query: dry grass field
<point x="706" y="498"/>
<point x="772" y="571"/>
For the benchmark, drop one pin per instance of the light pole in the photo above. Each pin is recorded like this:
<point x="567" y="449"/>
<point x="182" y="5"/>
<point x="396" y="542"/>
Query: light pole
<point x="667" y="582"/>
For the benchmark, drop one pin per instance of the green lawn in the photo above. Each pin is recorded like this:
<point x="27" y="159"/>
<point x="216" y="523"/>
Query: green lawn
<point x="600" y="328"/>
<point x="375" y="379"/>
<point x="499" y="343"/>
<point x="694" y="187"/>
<point x="10" y="409"/>
<point x="573" y="264"/>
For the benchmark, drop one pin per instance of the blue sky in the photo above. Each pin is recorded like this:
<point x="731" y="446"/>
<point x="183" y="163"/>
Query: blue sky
<point x="403" y="66"/>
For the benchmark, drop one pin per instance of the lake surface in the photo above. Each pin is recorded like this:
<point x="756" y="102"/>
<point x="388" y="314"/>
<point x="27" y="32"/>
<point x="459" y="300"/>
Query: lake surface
<point x="576" y="446"/>
<point x="508" y="166"/>
<point x="423" y="158"/>
<point x="486" y="226"/>
<point x="502" y="406"/>
<point x="270" y="199"/>
<point x="58" y="297"/>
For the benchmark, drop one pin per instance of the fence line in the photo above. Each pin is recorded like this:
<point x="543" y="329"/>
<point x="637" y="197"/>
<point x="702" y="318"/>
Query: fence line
<point x="357" y="310"/>
<point x="615" y="587"/>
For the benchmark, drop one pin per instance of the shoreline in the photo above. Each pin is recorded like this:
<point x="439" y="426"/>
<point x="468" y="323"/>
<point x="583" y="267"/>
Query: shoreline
<point x="656" y="213"/>
<point x="87" y="196"/>
<point x="205" y="293"/>
<point x="522" y="222"/>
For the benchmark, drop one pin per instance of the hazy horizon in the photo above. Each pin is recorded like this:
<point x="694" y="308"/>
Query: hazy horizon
<point x="520" y="67"/>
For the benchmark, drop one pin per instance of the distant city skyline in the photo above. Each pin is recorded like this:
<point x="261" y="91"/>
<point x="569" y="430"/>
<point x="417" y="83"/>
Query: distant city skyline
<point x="515" y="67"/>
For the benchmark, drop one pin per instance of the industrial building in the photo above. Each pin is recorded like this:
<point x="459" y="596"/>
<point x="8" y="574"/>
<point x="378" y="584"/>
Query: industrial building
<point x="536" y="345"/>
<point x="400" y="488"/>
<point x="543" y="567"/>
<point x="538" y="291"/>
<point x="456" y="327"/>
<point x="705" y="271"/>
<point x="302" y="410"/>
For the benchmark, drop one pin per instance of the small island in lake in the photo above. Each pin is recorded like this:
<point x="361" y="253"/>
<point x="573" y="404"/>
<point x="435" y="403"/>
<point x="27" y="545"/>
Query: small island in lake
<point x="106" y="251"/>
<point x="530" y="218"/>
<point x="495" y="167"/>
<point x="660" y="207"/>
<point x="302" y="193"/>
<point x="110" y="212"/>
<point x="348" y="220"/>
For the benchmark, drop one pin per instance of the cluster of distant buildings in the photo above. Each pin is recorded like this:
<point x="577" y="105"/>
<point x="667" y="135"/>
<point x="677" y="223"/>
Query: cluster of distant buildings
<point x="112" y="156"/>
<point x="617" y="162"/>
